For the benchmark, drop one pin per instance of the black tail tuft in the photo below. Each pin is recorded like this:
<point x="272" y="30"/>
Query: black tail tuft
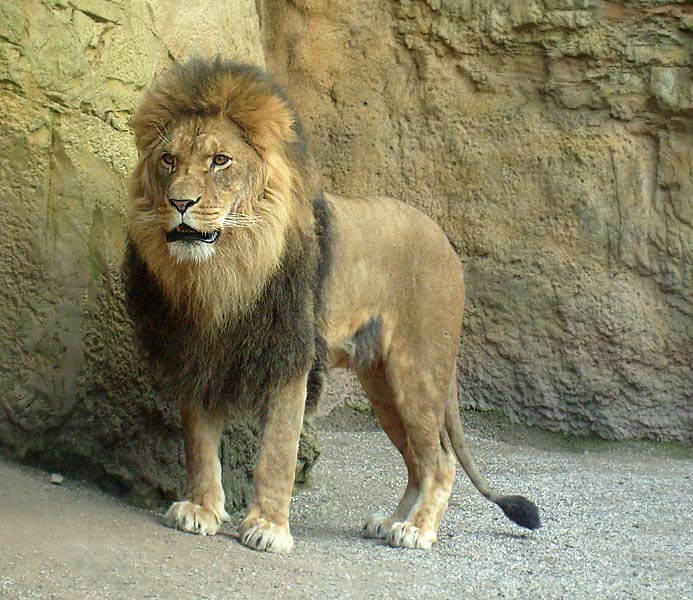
<point x="521" y="511"/>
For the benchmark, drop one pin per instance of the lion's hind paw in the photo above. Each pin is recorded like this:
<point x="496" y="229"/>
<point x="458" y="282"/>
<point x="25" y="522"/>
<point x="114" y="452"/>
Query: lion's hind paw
<point x="261" y="534"/>
<point x="406" y="535"/>
<point x="377" y="526"/>
<point x="193" y="518"/>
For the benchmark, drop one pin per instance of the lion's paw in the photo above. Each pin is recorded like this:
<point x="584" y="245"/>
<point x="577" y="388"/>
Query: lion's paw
<point x="377" y="526"/>
<point x="261" y="534"/>
<point x="406" y="535"/>
<point x="194" y="518"/>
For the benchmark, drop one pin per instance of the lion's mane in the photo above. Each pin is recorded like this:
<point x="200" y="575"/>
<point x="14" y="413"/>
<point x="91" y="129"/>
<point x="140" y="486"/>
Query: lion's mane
<point x="235" y="328"/>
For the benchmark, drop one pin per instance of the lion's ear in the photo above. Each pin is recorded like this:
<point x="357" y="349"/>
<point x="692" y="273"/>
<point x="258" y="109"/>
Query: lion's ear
<point x="148" y="126"/>
<point x="272" y="125"/>
<point x="143" y="137"/>
<point x="266" y="119"/>
<point x="166" y="98"/>
<point x="143" y="142"/>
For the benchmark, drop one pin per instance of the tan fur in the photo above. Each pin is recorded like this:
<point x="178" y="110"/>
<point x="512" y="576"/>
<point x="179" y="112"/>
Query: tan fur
<point x="391" y="265"/>
<point x="204" y="511"/>
<point x="393" y="261"/>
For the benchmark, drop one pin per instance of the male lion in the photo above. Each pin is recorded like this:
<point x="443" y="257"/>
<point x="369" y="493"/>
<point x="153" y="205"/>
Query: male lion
<point x="245" y="282"/>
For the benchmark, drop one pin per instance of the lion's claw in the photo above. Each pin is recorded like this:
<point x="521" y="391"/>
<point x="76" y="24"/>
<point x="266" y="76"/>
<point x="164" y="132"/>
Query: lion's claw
<point x="377" y="526"/>
<point x="261" y="534"/>
<point x="193" y="518"/>
<point x="406" y="535"/>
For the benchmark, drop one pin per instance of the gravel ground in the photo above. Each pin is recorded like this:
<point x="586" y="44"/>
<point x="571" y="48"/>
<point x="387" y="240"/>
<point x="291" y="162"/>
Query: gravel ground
<point x="617" y="524"/>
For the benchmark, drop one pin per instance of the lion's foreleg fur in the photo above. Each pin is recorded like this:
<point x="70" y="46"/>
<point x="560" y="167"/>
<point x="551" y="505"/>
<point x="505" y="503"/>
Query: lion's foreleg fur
<point x="266" y="526"/>
<point x="203" y="510"/>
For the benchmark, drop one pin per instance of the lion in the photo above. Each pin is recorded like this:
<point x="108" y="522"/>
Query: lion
<point x="246" y="282"/>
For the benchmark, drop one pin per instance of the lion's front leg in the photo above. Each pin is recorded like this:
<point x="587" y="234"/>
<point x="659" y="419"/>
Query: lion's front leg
<point x="203" y="510"/>
<point x="266" y="527"/>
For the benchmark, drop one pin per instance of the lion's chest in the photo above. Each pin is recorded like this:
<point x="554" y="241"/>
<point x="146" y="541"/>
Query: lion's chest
<point x="244" y="360"/>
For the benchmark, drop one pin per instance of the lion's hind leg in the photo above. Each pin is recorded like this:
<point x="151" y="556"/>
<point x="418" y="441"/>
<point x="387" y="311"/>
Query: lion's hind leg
<point x="203" y="510"/>
<point x="420" y="528"/>
<point x="416" y="429"/>
<point x="379" y="392"/>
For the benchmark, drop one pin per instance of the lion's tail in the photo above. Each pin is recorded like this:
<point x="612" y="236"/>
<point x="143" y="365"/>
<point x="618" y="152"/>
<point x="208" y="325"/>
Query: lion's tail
<point x="517" y="508"/>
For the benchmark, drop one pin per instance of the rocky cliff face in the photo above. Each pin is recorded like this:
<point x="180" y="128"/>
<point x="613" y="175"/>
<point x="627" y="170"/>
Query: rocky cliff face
<point x="552" y="141"/>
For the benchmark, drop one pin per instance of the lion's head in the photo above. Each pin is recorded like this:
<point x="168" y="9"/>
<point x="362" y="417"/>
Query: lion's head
<point x="221" y="180"/>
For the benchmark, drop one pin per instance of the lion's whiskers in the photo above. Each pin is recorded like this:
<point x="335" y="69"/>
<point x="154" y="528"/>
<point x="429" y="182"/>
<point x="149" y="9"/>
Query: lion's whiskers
<point x="147" y="217"/>
<point x="232" y="219"/>
<point x="161" y="131"/>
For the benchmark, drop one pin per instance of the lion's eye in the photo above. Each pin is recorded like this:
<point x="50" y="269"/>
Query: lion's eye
<point x="220" y="160"/>
<point x="168" y="159"/>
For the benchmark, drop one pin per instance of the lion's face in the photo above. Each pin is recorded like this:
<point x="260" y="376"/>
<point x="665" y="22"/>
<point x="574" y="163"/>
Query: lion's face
<point x="204" y="178"/>
<point x="222" y="186"/>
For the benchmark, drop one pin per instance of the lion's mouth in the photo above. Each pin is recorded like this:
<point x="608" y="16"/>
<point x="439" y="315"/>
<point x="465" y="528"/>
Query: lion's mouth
<point x="185" y="233"/>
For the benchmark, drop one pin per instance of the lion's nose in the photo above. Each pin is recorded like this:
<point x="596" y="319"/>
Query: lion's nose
<point x="183" y="204"/>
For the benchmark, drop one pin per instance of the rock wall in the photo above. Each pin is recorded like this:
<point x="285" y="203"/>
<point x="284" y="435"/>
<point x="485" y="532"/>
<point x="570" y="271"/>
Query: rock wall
<point x="74" y="394"/>
<point x="552" y="140"/>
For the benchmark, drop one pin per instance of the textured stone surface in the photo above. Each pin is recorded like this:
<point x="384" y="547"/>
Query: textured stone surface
<point x="553" y="142"/>
<point x="75" y="396"/>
